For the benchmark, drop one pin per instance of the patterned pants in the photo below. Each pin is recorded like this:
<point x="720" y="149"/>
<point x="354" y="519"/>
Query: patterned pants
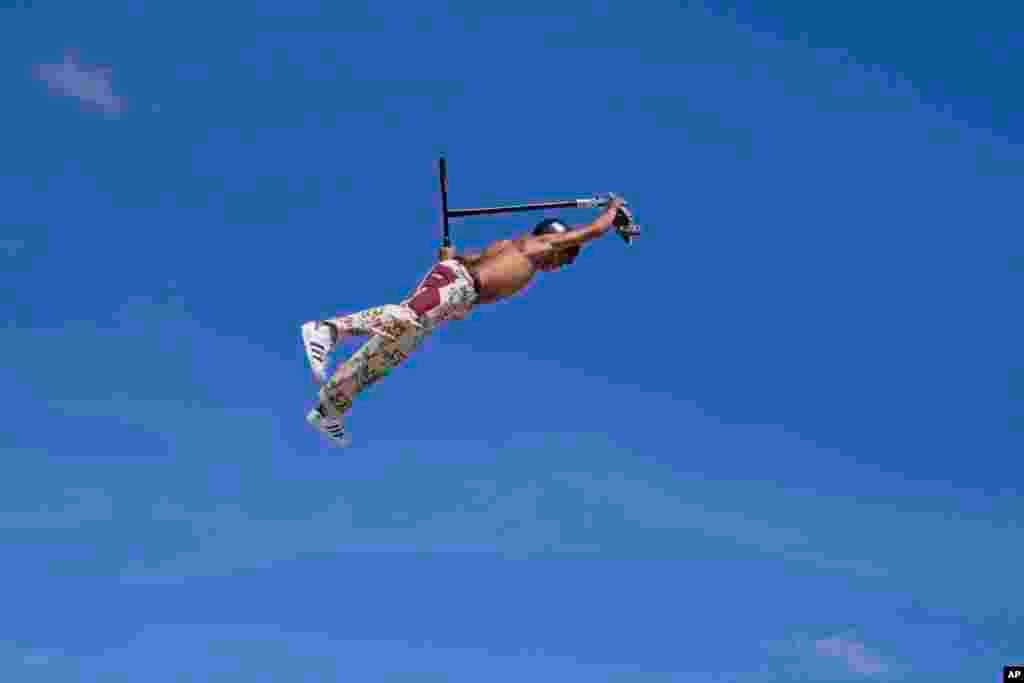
<point x="447" y="292"/>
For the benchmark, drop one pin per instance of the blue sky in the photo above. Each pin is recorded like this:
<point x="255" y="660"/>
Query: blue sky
<point x="773" y="437"/>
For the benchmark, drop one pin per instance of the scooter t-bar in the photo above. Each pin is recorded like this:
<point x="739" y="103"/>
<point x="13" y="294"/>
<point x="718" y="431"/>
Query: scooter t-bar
<point x="588" y="203"/>
<point x="623" y="224"/>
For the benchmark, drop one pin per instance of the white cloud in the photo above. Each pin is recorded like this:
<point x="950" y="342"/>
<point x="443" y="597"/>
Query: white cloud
<point x="837" y="658"/>
<point x="90" y="84"/>
<point x="853" y="652"/>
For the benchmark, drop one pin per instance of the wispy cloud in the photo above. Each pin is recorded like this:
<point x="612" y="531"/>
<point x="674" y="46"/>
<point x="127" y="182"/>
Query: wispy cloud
<point x="76" y="507"/>
<point x="91" y="84"/>
<point x="528" y="511"/>
<point x="578" y="495"/>
<point x="213" y="652"/>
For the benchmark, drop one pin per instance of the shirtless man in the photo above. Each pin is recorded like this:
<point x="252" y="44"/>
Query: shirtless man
<point x="448" y="292"/>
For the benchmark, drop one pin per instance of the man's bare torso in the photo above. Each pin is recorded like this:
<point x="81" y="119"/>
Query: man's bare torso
<point x="504" y="269"/>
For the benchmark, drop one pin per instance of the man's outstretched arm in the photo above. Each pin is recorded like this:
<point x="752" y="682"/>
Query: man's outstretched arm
<point x="580" y="236"/>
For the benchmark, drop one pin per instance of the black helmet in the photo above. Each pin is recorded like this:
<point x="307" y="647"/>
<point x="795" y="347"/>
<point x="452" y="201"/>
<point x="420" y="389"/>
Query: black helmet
<point x="551" y="226"/>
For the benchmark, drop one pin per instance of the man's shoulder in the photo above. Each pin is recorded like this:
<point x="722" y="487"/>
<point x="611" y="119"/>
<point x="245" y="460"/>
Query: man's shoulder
<point x="525" y="243"/>
<point x="499" y="245"/>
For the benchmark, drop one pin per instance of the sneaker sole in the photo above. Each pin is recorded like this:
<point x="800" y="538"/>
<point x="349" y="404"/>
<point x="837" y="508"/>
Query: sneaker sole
<point x="344" y="442"/>
<point x="314" y="347"/>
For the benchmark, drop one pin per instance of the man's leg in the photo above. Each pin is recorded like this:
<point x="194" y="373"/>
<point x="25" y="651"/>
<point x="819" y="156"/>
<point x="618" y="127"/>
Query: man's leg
<point x="369" y="364"/>
<point x="321" y="337"/>
<point x="388" y="321"/>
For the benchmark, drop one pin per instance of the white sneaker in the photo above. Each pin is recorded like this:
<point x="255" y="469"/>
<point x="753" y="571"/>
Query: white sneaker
<point x="318" y="340"/>
<point x="331" y="427"/>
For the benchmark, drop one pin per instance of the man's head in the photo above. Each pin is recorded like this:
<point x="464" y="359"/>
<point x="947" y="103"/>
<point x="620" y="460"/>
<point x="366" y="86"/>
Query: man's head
<point x="562" y="257"/>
